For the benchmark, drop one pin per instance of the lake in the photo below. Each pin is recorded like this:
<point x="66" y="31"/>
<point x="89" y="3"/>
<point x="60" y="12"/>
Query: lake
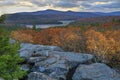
<point x="64" y="23"/>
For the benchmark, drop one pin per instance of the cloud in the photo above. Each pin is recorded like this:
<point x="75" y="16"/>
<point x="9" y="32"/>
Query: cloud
<point x="112" y="5"/>
<point x="11" y="6"/>
<point x="65" y="4"/>
<point x="7" y="3"/>
<point x="105" y="6"/>
<point x="39" y="3"/>
<point x="25" y="3"/>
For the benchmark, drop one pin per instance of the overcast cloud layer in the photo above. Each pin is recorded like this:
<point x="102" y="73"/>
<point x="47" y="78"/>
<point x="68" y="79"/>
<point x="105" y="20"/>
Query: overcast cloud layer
<point x="12" y="6"/>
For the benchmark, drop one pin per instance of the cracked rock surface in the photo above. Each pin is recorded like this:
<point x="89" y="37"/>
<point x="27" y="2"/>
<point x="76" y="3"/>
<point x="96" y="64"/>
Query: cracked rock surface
<point x="52" y="63"/>
<point x="96" y="71"/>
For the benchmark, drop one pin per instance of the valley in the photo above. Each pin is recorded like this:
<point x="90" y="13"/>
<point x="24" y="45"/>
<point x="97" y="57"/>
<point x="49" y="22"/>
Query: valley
<point x="56" y="45"/>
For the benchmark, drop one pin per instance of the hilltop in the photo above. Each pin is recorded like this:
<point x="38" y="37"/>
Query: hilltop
<point x="52" y="16"/>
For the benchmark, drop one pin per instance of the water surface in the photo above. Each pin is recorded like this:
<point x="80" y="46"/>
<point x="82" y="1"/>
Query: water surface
<point x="64" y="23"/>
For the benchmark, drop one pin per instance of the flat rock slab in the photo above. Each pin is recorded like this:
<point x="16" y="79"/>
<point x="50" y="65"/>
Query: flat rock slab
<point x="96" y="71"/>
<point x="39" y="47"/>
<point x="73" y="57"/>
<point x="27" y="49"/>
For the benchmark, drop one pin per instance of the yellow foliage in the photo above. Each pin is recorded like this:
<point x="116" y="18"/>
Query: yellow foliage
<point x="100" y="45"/>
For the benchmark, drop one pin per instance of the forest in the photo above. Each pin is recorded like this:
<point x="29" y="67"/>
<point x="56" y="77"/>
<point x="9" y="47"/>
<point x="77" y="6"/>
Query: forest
<point x="102" y="39"/>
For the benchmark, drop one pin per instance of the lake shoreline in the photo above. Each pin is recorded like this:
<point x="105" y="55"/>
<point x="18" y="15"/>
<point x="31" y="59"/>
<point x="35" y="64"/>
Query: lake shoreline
<point x="64" y="23"/>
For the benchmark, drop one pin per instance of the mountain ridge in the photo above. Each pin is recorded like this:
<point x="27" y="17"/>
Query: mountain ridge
<point x="52" y="16"/>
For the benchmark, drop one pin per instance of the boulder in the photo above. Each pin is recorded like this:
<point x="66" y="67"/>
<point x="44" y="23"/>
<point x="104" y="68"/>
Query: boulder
<point x="38" y="76"/>
<point x="54" y="66"/>
<point x="96" y="71"/>
<point x="74" y="57"/>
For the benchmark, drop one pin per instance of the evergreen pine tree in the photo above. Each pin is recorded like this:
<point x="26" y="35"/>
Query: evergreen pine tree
<point x="9" y="59"/>
<point x="2" y="18"/>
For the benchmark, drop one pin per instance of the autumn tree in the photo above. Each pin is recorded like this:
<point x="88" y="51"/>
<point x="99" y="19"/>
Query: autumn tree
<point x="99" y="45"/>
<point x="115" y="61"/>
<point x="23" y="35"/>
<point x="34" y="27"/>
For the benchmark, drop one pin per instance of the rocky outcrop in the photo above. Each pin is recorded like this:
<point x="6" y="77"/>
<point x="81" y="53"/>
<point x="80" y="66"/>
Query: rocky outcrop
<point x="96" y="71"/>
<point x="52" y="63"/>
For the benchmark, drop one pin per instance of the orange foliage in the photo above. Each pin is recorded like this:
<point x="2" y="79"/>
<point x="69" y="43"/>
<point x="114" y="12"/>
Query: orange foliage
<point x="104" y="45"/>
<point x="23" y="36"/>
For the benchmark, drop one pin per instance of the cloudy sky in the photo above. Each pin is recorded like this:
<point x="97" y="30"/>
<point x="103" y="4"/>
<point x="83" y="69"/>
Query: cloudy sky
<point x="12" y="6"/>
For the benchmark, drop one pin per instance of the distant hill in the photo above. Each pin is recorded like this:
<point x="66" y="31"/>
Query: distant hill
<point x="99" y="22"/>
<point x="52" y="16"/>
